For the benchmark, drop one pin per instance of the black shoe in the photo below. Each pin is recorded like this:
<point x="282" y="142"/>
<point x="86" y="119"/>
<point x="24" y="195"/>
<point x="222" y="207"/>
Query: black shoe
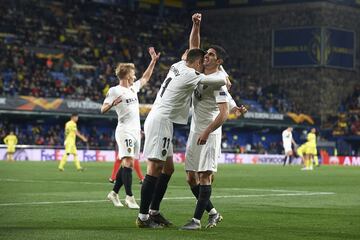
<point x="159" y="219"/>
<point x="191" y="225"/>
<point x="213" y="220"/>
<point x="147" y="223"/>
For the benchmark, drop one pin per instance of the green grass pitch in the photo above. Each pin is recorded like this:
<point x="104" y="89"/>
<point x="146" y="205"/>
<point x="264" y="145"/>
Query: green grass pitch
<point x="256" y="201"/>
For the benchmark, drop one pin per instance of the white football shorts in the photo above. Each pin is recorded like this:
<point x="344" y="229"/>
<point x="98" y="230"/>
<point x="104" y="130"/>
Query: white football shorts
<point x="158" y="137"/>
<point x="128" y="143"/>
<point x="201" y="158"/>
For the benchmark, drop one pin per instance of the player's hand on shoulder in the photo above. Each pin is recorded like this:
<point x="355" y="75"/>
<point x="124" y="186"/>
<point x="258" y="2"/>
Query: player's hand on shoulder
<point x="154" y="56"/>
<point x="117" y="101"/>
<point x="184" y="56"/>
<point x="239" y="111"/>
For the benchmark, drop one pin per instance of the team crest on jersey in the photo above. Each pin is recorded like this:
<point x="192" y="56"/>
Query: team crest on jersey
<point x="129" y="150"/>
<point x="163" y="152"/>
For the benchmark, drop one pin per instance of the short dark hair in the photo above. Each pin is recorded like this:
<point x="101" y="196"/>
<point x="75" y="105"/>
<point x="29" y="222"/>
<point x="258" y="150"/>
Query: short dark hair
<point x="220" y="52"/>
<point x="195" y="54"/>
<point x="74" y="114"/>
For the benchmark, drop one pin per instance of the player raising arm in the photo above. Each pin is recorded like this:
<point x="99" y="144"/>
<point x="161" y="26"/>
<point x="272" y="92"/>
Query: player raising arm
<point x="171" y="105"/>
<point x="123" y="98"/>
<point x="211" y="109"/>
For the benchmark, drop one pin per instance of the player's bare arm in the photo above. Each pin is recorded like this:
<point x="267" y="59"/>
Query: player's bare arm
<point x="194" y="40"/>
<point x="81" y="136"/>
<point x="218" y="121"/>
<point x="148" y="72"/>
<point x="183" y="57"/>
<point x="106" y="107"/>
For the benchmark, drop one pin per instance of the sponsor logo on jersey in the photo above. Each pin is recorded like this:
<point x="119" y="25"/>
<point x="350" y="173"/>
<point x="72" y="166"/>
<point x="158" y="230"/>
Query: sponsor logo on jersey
<point x="131" y="100"/>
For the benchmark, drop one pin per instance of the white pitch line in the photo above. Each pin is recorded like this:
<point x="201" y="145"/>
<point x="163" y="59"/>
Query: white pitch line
<point x="174" y="198"/>
<point x="106" y="183"/>
<point x="49" y="181"/>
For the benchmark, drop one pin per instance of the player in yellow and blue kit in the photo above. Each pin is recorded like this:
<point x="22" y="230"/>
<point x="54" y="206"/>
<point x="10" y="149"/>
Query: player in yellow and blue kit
<point x="10" y="141"/>
<point x="310" y="151"/>
<point x="70" y="142"/>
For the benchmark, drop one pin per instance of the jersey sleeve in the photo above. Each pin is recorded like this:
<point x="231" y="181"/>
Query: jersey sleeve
<point x="110" y="96"/>
<point x="221" y="95"/>
<point x="223" y="70"/>
<point x="231" y="101"/>
<point x="136" y="86"/>
<point x="216" y="81"/>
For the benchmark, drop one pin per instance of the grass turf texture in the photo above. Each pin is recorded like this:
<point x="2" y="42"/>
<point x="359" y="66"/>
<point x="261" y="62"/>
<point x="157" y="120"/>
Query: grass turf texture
<point x="246" y="195"/>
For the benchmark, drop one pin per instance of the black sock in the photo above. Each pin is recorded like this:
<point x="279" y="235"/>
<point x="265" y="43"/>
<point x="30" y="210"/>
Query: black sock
<point x="160" y="190"/>
<point x="195" y="190"/>
<point x="285" y="160"/>
<point x="204" y="196"/>
<point x="290" y="159"/>
<point x="127" y="180"/>
<point x="119" y="181"/>
<point x="147" y="190"/>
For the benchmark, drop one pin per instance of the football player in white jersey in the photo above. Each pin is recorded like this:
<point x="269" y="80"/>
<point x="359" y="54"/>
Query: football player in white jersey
<point x="210" y="110"/>
<point x="287" y="140"/>
<point x="172" y="105"/>
<point x="123" y="98"/>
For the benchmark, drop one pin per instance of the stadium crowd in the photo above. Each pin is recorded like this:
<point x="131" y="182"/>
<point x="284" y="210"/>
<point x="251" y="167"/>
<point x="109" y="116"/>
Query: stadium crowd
<point x="63" y="51"/>
<point x="69" y="50"/>
<point x="348" y="120"/>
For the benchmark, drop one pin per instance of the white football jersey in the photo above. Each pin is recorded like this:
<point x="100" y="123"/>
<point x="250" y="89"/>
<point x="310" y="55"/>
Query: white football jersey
<point x="173" y="99"/>
<point x="205" y="100"/>
<point x="286" y="137"/>
<point x="128" y="109"/>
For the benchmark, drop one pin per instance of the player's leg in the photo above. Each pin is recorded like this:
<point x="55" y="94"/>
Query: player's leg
<point x="194" y="183"/>
<point x="156" y="132"/>
<point x="306" y="161"/>
<point x="64" y="157"/>
<point x="160" y="190"/>
<point x="286" y="155"/>
<point x="203" y="199"/>
<point x="154" y="167"/>
<point x="203" y="160"/>
<point x="192" y="158"/>
<point x="113" y="195"/>
<point x="76" y="159"/>
<point x="127" y="165"/>
<point x="11" y="151"/>
<point x="310" y="163"/>
<point x="116" y="167"/>
<point x="9" y="156"/>
<point x="290" y="156"/>
<point x="138" y="171"/>
<point x="316" y="159"/>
